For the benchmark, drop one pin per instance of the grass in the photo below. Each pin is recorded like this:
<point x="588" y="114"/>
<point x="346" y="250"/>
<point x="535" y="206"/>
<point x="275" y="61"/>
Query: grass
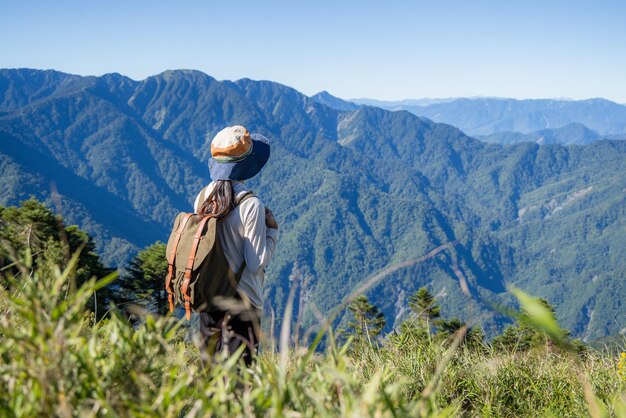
<point x="57" y="361"/>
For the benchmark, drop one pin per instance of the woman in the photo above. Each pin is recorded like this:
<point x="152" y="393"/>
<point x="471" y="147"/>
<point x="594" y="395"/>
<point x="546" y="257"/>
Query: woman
<point x="247" y="232"/>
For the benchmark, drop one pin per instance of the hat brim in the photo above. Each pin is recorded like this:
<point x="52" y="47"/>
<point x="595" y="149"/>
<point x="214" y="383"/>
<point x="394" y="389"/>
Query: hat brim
<point x="246" y="168"/>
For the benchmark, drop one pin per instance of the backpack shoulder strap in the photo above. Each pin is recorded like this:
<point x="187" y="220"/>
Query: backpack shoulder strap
<point x="190" y="261"/>
<point x="170" y="267"/>
<point x="243" y="198"/>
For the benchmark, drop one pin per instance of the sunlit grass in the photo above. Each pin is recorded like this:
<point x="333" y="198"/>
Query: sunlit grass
<point x="57" y="362"/>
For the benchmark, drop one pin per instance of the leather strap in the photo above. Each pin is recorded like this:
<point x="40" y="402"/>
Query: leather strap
<point x="170" y="267"/>
<point x="190" y="261"/>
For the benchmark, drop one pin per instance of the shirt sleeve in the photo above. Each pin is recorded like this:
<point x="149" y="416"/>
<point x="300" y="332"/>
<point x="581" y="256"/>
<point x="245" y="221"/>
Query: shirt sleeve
<point x="259" y="241"/>
<point x="196" y="202"/>
<point x="201" y="197"/>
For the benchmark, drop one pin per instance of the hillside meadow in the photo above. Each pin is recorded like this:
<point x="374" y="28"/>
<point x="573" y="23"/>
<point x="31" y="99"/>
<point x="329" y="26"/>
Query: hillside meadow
<point x="58" y="359"/>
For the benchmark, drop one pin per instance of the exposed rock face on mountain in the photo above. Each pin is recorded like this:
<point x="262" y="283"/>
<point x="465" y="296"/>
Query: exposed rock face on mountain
<point x="354" y="191"/>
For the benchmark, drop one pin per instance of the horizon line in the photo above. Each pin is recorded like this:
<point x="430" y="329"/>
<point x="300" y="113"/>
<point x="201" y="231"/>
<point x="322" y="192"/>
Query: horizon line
<point x="352" y="100"/>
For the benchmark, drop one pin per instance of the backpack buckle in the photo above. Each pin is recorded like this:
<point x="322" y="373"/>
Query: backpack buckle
<point x="188" y="272"/>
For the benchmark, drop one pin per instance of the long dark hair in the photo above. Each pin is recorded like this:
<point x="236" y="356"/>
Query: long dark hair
<point x="221" y="200"/>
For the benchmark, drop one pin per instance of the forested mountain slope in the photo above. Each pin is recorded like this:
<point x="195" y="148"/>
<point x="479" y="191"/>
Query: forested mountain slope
<point x="354" y="191"/>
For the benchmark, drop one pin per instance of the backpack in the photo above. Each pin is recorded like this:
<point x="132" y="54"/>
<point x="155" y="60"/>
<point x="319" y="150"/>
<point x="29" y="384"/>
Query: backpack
<point x="198" y="271"/>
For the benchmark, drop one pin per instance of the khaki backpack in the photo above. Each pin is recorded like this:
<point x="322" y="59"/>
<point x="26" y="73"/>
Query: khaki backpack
<point x="198" y="270"/>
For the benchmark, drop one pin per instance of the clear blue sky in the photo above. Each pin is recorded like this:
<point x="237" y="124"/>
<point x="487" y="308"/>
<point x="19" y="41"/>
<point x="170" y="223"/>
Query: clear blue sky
<point x="385" y="49"/>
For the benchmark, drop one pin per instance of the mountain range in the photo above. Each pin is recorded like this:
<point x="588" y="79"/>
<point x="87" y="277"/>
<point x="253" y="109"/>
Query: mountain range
<point x="355" y="191"/>
<point x="486" y="116"/>
<point x="572" y="134"/>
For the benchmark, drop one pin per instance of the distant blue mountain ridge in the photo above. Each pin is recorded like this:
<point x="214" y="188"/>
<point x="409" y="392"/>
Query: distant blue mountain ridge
<point x="512" y="120"/>
<point x="571" y="134"/>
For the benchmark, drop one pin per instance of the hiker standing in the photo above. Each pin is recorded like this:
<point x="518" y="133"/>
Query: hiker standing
<point x="247" y="233"/>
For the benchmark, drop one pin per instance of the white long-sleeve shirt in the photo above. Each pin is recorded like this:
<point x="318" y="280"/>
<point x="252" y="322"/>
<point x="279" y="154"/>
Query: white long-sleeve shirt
<point x="244" y="235"/>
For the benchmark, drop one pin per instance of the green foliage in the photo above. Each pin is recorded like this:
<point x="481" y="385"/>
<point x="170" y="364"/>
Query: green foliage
<point x="514" y="338"/>
<point x="57" y="361"/>
<point x="33" y="230"/>
<point x="425" y="310"/>
<point x="89" y="264"/>
<point x="536" y="327"/>
<point x="423" y="305"/>
<point x="145" y="282"/>
<point x="538" y="314"/>
<point x="28" y="227"/>
<point x="448" y="328"/>
<point x="368" y="321"/>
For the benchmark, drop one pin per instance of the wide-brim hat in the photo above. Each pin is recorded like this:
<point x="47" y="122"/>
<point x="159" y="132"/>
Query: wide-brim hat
<point x="237" y="155"/>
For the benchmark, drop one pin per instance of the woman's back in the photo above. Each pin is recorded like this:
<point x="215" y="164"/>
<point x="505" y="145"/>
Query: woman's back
<point x="245" y="237"/>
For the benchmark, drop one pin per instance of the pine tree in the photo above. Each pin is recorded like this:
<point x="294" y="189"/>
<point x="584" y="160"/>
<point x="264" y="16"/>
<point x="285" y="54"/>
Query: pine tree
<point x="424" y="306"/>
<point x="368" y="321"/>
<point x="89" y="264"/>
<point x="145" y="283"/>
<point x="446" y="329"/>
<point x="34" y="228"/>
<point x="27" y="227"/>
